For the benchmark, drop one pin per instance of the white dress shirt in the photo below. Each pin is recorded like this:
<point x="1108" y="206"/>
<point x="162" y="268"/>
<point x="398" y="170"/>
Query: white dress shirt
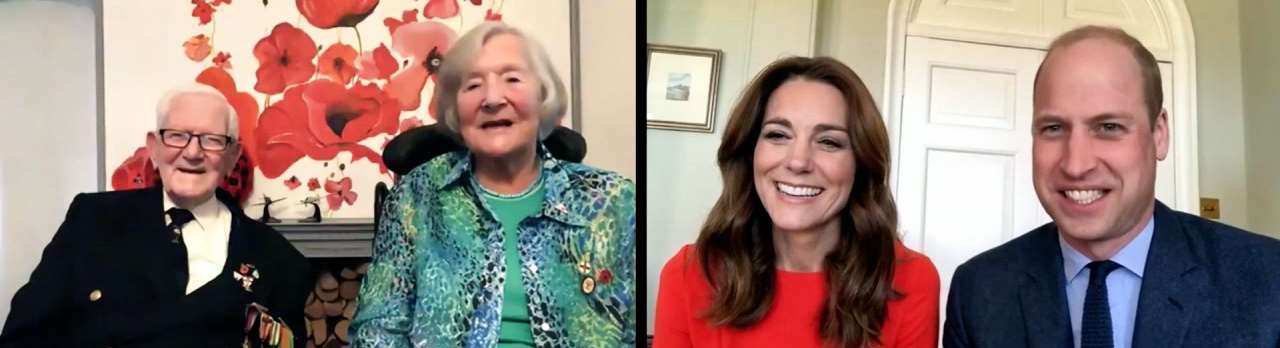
<point x="206" y="239"/>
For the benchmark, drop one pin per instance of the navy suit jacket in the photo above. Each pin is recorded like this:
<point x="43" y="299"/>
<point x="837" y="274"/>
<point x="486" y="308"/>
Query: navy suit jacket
<point x="1206" y="285"/>
<point x="117" y="243"/>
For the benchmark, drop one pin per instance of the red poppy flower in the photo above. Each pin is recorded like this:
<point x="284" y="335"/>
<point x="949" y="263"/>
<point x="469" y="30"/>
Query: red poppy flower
<point x="202" y="11"/>
<point x="239" y="182"/>
<point x="440" y="9"/>
<point x="197" y="47"/>
<point x="489" y="15"/>
<point x="604" y="276"/>
<point x="377" y="64"/>
<point x="410" y="123"/>
<point x="338" y="63"/>
<point x="322" y="118"/>
<point x="473" y="2"/>
<point x="284" y="59"/>
<point x="325" y="14"/>
<point x="135" y="172"/>
<point x="339" y="191"/>
<point x="425" y="44"/>
<point x="313" y="184"/>
<point x="222" y="60"/>
<point x="292" y="183"/>
<point x="221" y="2"/>
<point x="246" y="107"/>
<point x="408" y="16"/>
<point x="138" y="171"/>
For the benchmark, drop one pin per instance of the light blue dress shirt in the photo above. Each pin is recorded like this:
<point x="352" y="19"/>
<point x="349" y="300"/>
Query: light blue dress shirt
<point x="1123" y="285"/>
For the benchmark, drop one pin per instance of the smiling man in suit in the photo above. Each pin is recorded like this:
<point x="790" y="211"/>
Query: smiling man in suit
<point x="176" y="265"/>
<point x="1116" y="267"/>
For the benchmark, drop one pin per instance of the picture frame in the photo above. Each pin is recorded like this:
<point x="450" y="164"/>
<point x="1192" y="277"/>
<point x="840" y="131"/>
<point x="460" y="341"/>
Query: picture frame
<point x="681" y="86"/>
<point x="215" y="42"/>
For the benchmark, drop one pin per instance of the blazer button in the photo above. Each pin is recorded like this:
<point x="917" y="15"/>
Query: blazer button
<point x="95" y="295"/>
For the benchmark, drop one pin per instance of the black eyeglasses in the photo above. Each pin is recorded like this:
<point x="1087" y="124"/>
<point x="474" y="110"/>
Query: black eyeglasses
<point x="208" y="142"/>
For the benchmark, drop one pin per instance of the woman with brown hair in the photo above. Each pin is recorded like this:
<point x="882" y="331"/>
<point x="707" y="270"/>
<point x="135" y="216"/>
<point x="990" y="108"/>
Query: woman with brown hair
<point x="801" y="249"/>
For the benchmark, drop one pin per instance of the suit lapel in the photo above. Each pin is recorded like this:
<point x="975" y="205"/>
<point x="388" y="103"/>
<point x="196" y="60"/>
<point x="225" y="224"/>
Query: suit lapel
<point x="243" y="246"/>
<point x="1043" y="292"/>
<point x="1172" y="286"/>
<point x="163" y="262"/>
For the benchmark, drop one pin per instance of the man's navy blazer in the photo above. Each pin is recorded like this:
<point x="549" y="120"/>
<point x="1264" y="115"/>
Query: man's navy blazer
<point x="1206" y="285"/>
<point x="116" y="244"/>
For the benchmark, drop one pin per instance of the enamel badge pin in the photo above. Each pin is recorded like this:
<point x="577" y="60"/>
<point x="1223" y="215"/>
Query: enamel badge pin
<point x="246" y="274"/>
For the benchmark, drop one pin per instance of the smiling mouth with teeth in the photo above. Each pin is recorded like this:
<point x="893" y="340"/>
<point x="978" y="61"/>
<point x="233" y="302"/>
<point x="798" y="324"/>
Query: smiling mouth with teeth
<point x="1083" y="197"/>
<point x="798" y="191"/>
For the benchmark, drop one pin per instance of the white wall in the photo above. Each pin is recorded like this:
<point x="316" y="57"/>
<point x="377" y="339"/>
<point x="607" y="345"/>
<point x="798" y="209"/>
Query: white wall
<point x="683" y="180"/>
<point x="1260" y="22"/>
<point x="608" y="54"/>
<point x="49" y="150"/>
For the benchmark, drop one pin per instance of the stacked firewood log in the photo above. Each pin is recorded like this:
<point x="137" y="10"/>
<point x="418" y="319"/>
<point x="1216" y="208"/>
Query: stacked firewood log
<point x="332" y="305"/>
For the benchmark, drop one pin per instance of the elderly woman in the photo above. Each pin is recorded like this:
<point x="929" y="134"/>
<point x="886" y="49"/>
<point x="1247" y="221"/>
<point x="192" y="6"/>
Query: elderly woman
<point x="801" y="250"/>
<point x="501" y="244"/>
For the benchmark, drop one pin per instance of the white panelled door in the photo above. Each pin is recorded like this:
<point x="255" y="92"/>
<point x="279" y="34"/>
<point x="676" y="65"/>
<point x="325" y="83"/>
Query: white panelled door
<point x="964" y="171"/>
<point x="963" y="175"/>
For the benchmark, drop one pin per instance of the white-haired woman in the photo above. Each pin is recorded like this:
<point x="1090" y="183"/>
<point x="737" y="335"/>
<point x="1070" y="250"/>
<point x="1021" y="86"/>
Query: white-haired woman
<point x="501" y="244"/>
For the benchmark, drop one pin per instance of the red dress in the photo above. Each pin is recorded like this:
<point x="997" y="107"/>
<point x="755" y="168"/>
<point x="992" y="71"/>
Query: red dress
<point x="792" y="320"/>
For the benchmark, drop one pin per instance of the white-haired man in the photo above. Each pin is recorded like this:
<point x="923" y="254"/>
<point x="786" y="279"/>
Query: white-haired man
<point x="176" y="265"/>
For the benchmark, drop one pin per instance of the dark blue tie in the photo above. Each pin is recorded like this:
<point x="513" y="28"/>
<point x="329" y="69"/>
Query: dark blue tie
<point x="1095" y="327"/>
<point x="177" y="218"/>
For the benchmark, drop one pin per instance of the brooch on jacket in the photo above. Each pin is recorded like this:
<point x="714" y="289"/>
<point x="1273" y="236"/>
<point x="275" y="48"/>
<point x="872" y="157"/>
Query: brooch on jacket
<point x="601" y="276"/>
<point x="246" y="274"/>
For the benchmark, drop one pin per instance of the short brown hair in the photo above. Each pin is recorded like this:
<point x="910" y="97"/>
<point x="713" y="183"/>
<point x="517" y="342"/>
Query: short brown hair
<point x="1153" y="93"/>
<point x="735" y="245"/>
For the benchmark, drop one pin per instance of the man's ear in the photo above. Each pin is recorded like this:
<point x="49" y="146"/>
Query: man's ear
<point x="153" y="145"/>
<point x="1160" y="134"/>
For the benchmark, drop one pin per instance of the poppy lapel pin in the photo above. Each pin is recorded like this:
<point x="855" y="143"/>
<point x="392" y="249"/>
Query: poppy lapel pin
<point x="246" y="274"/>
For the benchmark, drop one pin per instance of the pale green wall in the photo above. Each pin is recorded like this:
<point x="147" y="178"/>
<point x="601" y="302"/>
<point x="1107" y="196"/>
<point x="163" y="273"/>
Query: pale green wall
<point x="683" y="181"/>
<point x="1220" y="107"/>
<point x="1260" y="23"/>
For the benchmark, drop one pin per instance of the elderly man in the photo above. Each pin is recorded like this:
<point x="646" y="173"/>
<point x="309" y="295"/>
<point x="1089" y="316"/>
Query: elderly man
<point x="1115" y="268"/>
<point x="171" y="266"/>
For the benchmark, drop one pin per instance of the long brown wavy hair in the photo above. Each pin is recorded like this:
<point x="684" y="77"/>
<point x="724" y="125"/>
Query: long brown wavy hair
<point x="736" y="247"/>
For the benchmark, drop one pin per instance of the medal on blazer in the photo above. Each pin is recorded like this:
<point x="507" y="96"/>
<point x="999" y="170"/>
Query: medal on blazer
<point x="246" y="274"/>
<point x="270" y="332"/>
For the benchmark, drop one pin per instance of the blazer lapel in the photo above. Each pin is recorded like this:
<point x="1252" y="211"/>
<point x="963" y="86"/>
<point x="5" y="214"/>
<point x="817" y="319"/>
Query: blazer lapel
<point x="165" y="268"/>
<point x="1043" y="293"/>
<point x="243" y="247"/>
<point x="1172" y="286"/>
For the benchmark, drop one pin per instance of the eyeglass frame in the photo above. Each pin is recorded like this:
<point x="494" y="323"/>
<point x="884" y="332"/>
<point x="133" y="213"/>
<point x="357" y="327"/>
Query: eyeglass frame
<point x="193" y="135"/>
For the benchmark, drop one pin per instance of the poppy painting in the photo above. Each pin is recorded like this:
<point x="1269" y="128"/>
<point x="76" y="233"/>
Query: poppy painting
<point x="319" y="86"/>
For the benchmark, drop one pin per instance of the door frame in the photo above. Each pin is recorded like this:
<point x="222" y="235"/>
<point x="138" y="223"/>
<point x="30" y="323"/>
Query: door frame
<point x="1173" y="13"/>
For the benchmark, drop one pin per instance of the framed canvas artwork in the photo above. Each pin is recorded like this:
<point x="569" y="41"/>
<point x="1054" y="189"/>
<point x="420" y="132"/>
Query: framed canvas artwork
<point x="319" y="86"/>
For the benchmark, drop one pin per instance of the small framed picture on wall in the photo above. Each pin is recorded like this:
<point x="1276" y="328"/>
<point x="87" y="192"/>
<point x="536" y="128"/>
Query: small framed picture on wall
<point x="680" y="92"/>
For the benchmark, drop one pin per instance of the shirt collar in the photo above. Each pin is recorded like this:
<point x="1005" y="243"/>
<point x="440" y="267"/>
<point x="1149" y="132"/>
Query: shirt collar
<point x="204" y="212"/>
<point x="1132" y="256"/>
<point x="556" y="184"/>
